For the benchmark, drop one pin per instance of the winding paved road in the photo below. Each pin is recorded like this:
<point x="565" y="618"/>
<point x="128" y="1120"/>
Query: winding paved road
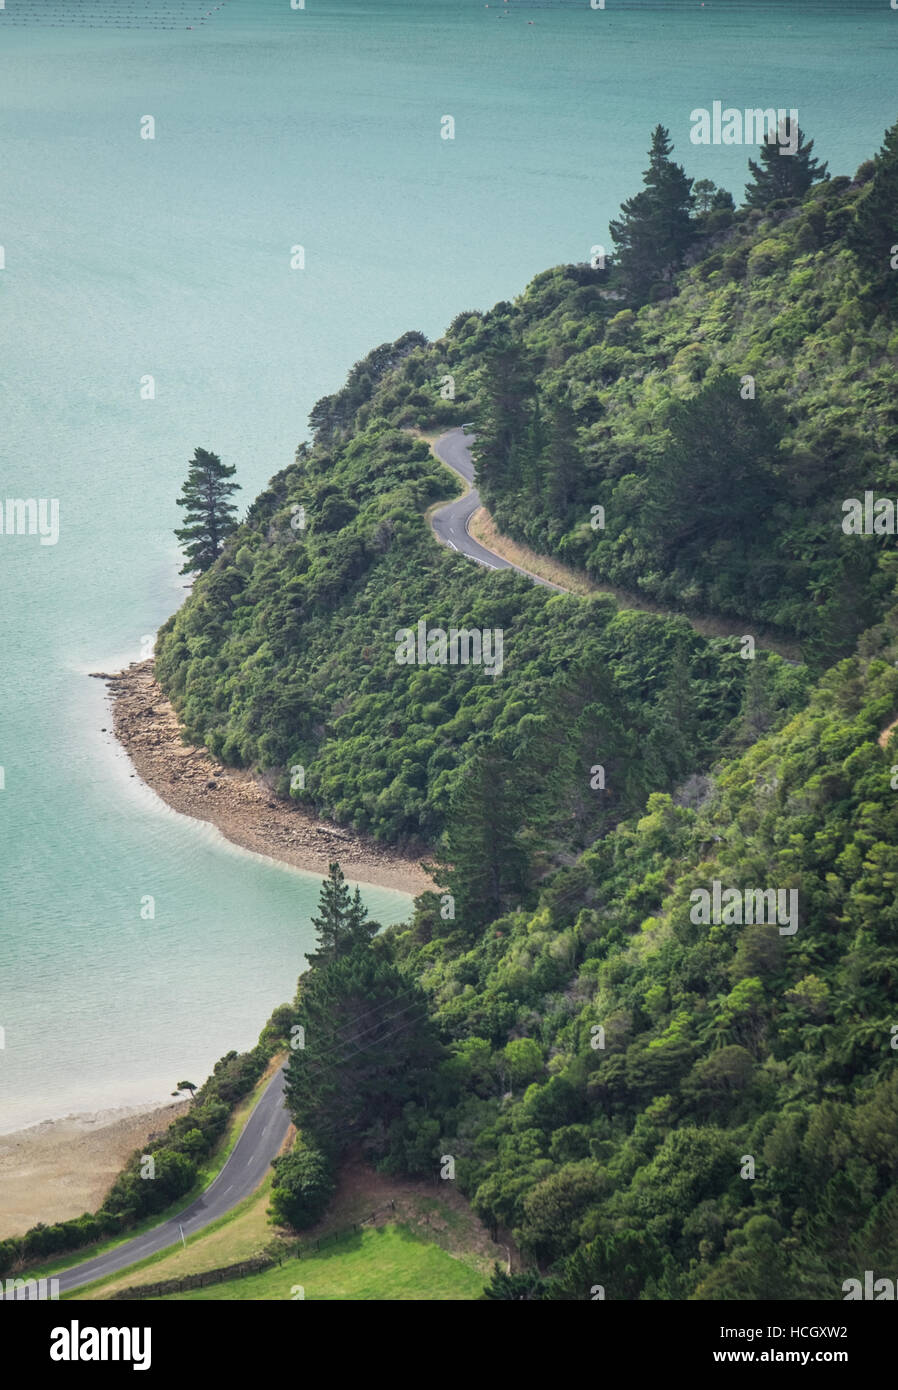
<point x="450" y="526"/>
<point x="249" y="1161"/>
<point x="450" y="523"/>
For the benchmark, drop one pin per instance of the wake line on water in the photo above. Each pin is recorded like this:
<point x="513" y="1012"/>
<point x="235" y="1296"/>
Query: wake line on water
<point x="83" y="14"/>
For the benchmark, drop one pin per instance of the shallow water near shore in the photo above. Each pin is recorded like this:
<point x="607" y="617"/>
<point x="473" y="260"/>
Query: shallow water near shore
<point x="128" y="257"/>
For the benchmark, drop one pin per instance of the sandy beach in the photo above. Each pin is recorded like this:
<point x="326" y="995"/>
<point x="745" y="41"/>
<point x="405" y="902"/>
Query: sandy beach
<point x="61" y="1168"/>
<point x="239" y="803"/>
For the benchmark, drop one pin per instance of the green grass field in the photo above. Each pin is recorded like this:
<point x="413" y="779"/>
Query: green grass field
<point x="388" y="1262"/>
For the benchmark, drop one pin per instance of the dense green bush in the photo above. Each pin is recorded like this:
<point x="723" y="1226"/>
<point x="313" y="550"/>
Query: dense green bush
<point x="302" y="1187"/>
<point x="719" y="1042"/>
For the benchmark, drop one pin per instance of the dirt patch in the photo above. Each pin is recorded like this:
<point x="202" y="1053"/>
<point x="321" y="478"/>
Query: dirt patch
<point x="437" y="1211"/>
<point x="243" y="808"/>
<point x="887" y="733"/>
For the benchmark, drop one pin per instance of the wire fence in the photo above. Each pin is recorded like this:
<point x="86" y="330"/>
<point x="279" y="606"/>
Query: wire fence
<point x="286" y="1250"/>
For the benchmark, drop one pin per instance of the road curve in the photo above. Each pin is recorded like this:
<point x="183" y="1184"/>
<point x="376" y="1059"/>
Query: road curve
<point x="450" y="523"/>
<point x="249" y="1161"/>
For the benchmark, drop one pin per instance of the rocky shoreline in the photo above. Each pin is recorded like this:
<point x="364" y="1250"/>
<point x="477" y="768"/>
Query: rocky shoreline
<point x="239" y="803"/>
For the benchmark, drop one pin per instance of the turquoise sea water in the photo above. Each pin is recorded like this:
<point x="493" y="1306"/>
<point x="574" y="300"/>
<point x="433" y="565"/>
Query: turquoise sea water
<point x="171" y="257"/>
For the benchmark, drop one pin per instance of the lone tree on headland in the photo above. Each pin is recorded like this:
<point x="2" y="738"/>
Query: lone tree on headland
<point x="210" y="516"/>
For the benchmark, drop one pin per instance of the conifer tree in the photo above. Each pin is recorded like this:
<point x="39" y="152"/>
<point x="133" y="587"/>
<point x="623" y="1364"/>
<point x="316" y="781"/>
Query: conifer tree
<point x="564" y="460"/>
<point x="210" y="515"/>
<point x="490" y="863"/>
<point x="781" y="174"/>
<point x="656" y="226"/>
<point x="696" y="499"/>
<point x="504" y="435"/>
<point x="342" y="920"/>
<point x="874" y="235"/>
<point x="370" y="1048"/>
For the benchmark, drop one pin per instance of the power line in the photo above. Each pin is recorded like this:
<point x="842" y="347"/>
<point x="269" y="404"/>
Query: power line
<point x="321" y="1059"/>
<point x="327" y="1131"/>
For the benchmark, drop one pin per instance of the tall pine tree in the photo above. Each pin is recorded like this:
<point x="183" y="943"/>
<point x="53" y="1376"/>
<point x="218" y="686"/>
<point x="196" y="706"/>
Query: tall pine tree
<point x="716" y="479"/>
<point x="656" y="226"/>
<point x="489" y="860"/>
<point x="505" y="433"/>
<point x="210" y="515"/>
<point x="369" y="1049"/>
<point x="874" y="236"/>
<point x="564" y="467"/>
<point x="342" y="920"/>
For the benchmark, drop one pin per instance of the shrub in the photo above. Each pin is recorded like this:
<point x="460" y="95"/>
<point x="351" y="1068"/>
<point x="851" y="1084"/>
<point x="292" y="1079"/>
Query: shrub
<point x="303" y="1186"/>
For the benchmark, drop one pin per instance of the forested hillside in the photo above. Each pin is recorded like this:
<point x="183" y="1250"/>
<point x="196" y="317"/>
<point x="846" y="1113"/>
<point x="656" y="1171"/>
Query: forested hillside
<point x="652" y="1099"/>
<point x="662" y="1107"/>
<point x="626" y="1164"/>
